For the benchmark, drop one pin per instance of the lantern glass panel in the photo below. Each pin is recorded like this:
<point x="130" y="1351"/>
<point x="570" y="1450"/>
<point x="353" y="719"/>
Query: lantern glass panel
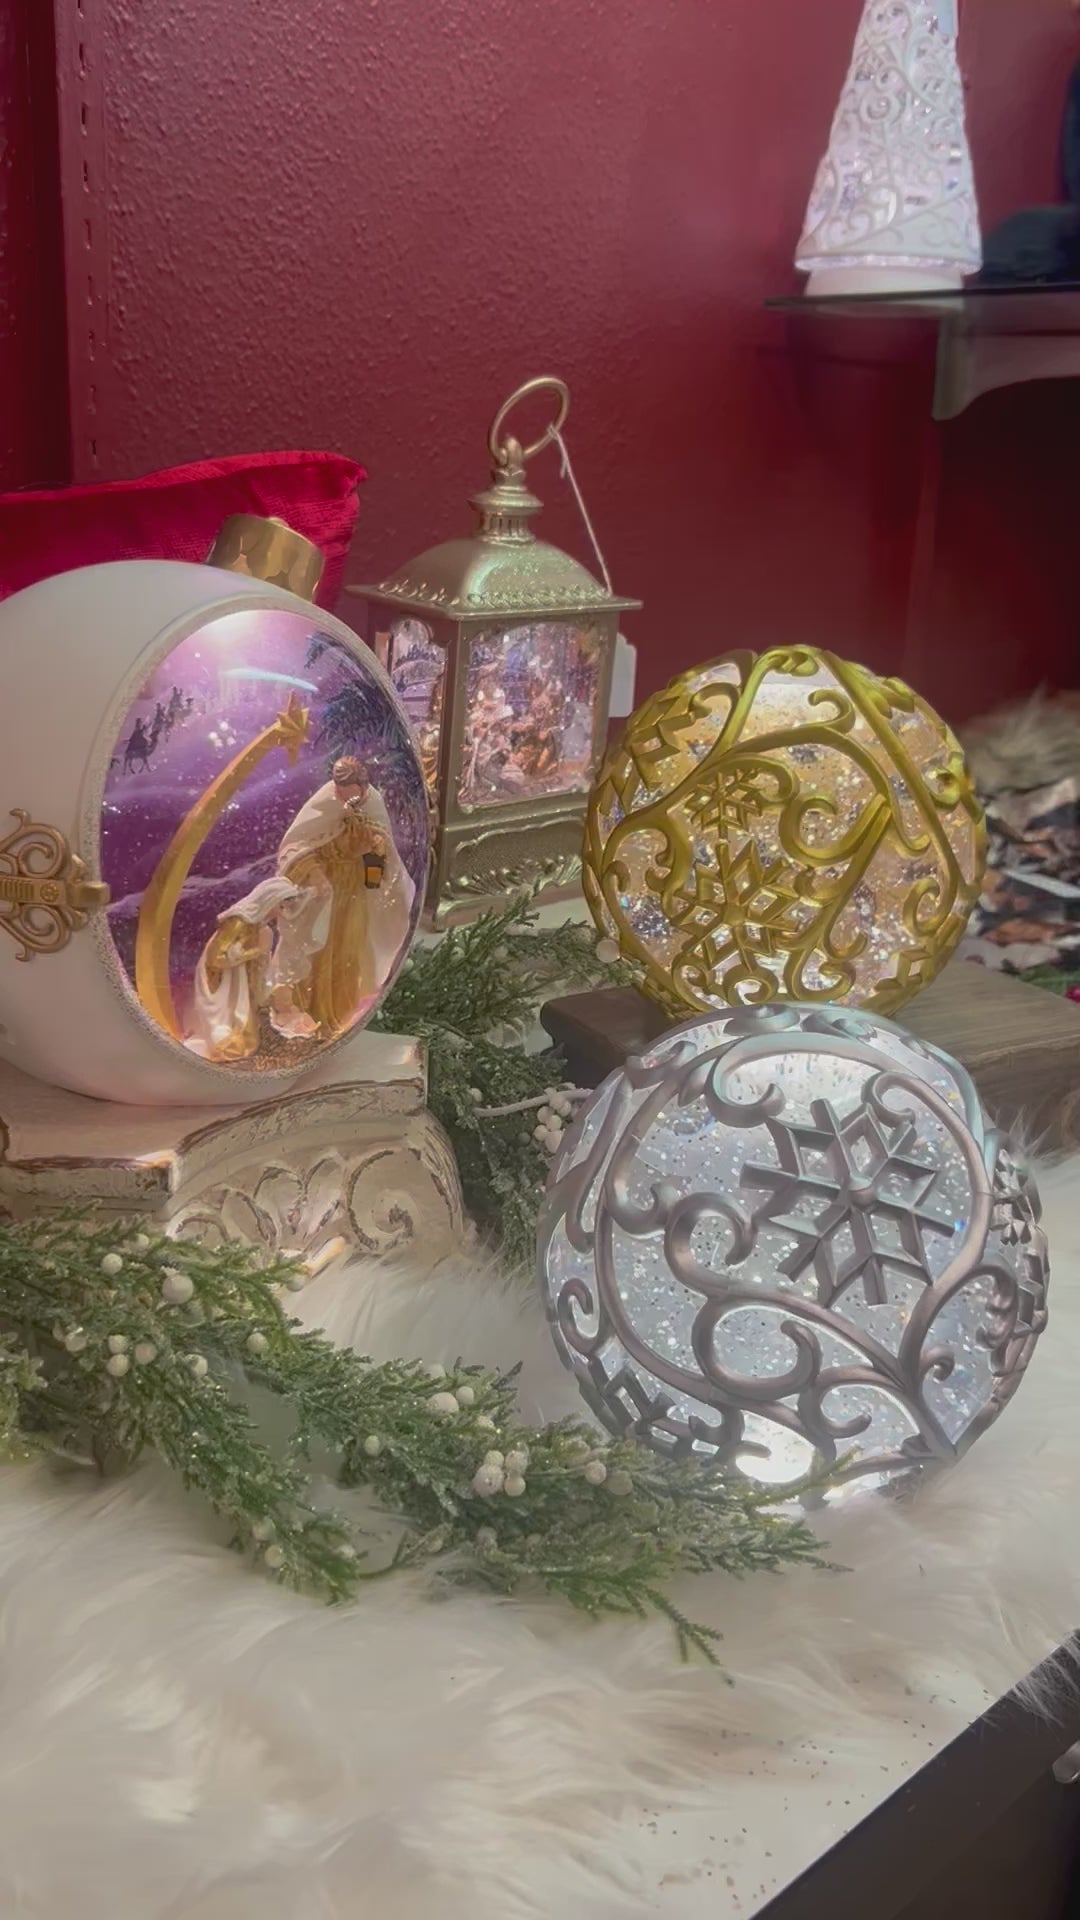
<point x="416" y="664"/>
<point x="530" y="712"/>
<point x="265" y="836"/>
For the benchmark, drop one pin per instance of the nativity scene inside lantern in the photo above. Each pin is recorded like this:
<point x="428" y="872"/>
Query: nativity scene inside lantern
<point x="500" y="648"/>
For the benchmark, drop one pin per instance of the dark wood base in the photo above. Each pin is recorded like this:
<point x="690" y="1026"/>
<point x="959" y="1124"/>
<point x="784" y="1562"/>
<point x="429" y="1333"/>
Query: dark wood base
<point x="1020" y="1045"/>
<point x="984" y="1831"/>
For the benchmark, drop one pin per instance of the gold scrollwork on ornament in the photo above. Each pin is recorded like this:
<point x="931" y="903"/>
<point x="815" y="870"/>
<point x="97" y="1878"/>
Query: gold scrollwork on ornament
<point x="45" y="896"/>
<point x="495" y="863"/>
<point x="784" y="826"/>
<point x="482" y="881"/>
<point x="567" y="596"/>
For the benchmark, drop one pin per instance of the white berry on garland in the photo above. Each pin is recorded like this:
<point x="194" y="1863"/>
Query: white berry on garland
<point x="76" y="1378"/>
<point x="177" y="1288"/>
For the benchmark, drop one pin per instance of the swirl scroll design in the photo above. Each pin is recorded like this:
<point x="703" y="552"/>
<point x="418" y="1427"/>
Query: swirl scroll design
<point x="886" y="1240"/>
<point x="45" y="895"/>
<point x="786" y="826"/>
<point x="896" y="186"/>
<point x="376" y="1198"/>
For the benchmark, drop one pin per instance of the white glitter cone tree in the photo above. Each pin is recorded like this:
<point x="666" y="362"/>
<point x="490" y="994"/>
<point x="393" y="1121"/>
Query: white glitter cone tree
<point x="894" y="206"/>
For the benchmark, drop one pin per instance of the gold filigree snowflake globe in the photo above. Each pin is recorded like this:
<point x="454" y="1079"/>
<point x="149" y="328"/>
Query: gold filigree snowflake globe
<point x="788" y="826"/>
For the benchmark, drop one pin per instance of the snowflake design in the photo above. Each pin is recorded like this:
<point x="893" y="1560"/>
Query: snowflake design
<point x="857" y="1173"/>
<point x="745" y="906"/>
<point x="1031" y="1314"/>
<point x="730" y="800"/>
<point x="1014" y="1216"/>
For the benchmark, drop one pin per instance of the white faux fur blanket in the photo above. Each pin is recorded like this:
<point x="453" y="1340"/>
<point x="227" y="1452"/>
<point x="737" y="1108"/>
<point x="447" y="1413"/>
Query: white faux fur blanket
<point x="179" y="1740"/>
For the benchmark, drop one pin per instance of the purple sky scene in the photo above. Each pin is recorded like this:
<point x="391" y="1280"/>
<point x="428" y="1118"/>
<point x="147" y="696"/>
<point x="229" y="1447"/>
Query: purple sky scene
<point x="233" y="677"/>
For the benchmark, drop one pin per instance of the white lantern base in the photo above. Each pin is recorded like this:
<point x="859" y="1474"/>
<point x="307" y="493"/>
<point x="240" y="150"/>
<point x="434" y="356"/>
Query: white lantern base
<point x="832" y="283"/>
<point x="346" y="1163"/>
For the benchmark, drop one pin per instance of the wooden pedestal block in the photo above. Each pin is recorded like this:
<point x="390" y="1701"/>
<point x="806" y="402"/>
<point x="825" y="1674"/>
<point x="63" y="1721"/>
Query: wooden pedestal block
<point x="1020" y="1045"/>
<point x="350" y="1160"/>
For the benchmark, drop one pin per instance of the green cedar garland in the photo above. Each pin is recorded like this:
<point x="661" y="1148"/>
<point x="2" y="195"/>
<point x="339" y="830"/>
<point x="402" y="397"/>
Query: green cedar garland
<point x="465" y="997"/>
<point x="115" y="1342"/>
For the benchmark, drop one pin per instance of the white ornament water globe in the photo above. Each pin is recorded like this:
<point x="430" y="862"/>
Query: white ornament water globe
<point x="894" y="207"/>
<point x="788" y="1237"/>
<point x="213" y="834"/>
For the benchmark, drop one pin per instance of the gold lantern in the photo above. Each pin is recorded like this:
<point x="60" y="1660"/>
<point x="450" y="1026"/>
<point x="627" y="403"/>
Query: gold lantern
<point x="784" y="826"/>
<point x="501" y="649"/>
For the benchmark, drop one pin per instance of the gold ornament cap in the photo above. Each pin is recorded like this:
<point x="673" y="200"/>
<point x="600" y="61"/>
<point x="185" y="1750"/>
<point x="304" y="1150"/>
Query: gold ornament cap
<point x="268" y="550"/>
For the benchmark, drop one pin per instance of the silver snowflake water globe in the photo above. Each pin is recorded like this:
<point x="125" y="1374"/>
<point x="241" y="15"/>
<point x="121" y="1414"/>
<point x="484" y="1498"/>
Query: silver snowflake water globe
<point x="789" y="1237"/>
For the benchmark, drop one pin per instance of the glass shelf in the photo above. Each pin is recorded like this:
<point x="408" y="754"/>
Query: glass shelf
<point x="988" y="336"/>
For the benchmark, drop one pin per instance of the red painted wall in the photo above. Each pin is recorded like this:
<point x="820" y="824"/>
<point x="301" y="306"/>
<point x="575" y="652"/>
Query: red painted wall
<point x="364" y="235"/>
<point x="358" y="224"/>
<point x="33" y="415"/>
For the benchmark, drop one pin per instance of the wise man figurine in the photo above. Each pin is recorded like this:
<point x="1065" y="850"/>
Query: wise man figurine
<point x="894" y="208"/>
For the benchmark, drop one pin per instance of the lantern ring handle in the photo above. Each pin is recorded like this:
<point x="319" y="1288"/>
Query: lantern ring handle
<point x="543" y="383"/>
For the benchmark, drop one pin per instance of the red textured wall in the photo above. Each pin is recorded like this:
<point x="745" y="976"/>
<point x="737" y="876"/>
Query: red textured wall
<point x="359" y="223"/>
<point x="33" y="414"/>
<point x="364" y="234"/>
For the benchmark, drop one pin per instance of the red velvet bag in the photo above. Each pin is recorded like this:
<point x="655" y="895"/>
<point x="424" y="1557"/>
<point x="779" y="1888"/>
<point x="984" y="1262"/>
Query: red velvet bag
<point x="176" y="514"/>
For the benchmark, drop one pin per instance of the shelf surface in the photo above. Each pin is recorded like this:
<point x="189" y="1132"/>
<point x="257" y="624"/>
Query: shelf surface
<point x="1035" y="308"/>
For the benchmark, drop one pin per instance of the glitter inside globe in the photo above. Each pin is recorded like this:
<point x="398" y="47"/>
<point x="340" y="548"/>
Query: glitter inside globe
<point x="785" y="826"/>
<point x="789" y="1238"/>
